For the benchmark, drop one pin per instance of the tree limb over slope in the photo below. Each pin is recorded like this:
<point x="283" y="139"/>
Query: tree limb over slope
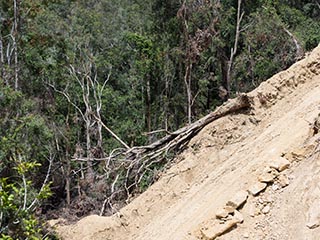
<point x="137" y="161"/>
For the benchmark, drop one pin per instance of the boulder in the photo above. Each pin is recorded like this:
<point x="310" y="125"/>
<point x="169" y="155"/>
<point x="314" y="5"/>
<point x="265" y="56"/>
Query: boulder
<point x="283" y="181"/>
<point x="238" y="216"/>
<point x="218" y="229"/>
<point x="266" y="177"/>
<point x="280" y="164"/>
<point x="222" y="213"/>
<point x="238" y="199"/>
<point x="257" y="188"/>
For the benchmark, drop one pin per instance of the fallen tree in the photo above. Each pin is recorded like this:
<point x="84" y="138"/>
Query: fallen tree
<point x="126" y="168"/>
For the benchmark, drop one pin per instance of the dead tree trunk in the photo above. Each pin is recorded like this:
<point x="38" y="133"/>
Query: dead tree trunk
<point x="183" y="14"/>
<point x="97" y="93"/>
<point x="14" y="36"/>
<point x="180" y="137"/>
<point x="187" y="81"/>
<point x="2" y="61"/>
<point x="9" y="64"/>
<point x="91" y="93"/>
<point x="136" y="162"/>
<point x="234" y="49"/>
<point x="148" y="105"/>
<point x="299" y="49"/>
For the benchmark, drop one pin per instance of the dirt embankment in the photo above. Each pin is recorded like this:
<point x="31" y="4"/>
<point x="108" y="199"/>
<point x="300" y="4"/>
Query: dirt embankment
<point x="251" y="175"/>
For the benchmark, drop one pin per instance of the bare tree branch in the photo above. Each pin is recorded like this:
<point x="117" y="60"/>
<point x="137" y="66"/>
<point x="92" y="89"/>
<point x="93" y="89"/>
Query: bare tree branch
<point x="15" y="44"/>
<point x="317" y="3"/>
<point x="299" y="49"/>
<point x="68" y="98"/>
<point x="156" y="131"/>
<point x="111" y="132"/>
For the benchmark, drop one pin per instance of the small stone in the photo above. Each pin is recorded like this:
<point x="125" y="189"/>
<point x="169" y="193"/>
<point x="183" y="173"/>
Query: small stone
<point x="267" y="170"/>
<point x="246" y="235"/>
<point x="313" y="214"/>
<point x="252" y="211"/>
<point x="275" y="187"/>
<point x="238" y="216"/>
<point x="313" y="225"/>
<point x="257" y="212"/>
<point x="257" y="188"/>
<point x="280" y="164"/>
<point x="222" y="213"/>
<point x="283" y="181"/>
<point x="266" y="177"/>
<point x="229" y="209"/>
<point x="289" y="156"/>
<point x="266" y="209"/>
<point x="238" y="199"/>
<point x="218" y="230"/>
<point x="301" y="153"/>
<point x="275" y="173"/>
<point x="268" y="199"/>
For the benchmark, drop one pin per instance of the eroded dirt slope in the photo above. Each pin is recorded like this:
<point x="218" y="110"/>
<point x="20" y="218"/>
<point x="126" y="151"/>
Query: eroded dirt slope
<point x="235" y="154"/>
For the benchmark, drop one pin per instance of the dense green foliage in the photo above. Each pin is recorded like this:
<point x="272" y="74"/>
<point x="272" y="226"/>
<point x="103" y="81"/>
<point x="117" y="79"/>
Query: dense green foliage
<point x="25" y="146"/>
<point x="137" y="66"/>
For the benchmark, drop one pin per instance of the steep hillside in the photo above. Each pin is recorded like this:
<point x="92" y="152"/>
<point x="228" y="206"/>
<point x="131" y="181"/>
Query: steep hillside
<point x="276" y="142"/>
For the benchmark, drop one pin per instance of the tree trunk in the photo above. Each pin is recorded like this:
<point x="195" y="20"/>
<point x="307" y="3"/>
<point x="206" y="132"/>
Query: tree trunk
<point x="187" y="80"/>
<point x="2" y="62"/>
<point x="166" y="104"/>
<point x="234" y="49"/>
<point x="138" y="160"/>
<point x="88" y="121"/>
<point x="224" y="72"/>
<point x="148" y="107"/>
<point x="299" y="49"/>
<point x="183" y="135"/>
<point x="15" y="44"/>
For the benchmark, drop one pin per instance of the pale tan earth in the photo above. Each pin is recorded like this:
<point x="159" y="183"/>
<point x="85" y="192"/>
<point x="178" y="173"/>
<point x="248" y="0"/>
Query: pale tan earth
<point x="230" y="155"/>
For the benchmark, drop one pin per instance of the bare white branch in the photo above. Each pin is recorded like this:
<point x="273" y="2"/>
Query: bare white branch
<point x="50" y="159"/>
<point x="112" y="133"/>
<point x="234" y="49"/>
<point x="68" y="99"/>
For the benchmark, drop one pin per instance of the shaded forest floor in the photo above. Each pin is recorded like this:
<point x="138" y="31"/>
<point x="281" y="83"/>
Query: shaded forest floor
<point x="276" y="143"/>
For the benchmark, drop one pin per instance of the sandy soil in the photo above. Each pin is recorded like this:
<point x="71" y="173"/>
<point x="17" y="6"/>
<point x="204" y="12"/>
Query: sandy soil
<point x="227" y="156"/>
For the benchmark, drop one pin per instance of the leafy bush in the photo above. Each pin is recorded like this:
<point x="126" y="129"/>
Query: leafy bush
<point x="24" y="181"/>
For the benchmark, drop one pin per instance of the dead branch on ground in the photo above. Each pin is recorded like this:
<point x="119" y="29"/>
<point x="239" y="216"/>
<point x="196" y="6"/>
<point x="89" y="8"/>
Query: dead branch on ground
<point x="126" y="168"/>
